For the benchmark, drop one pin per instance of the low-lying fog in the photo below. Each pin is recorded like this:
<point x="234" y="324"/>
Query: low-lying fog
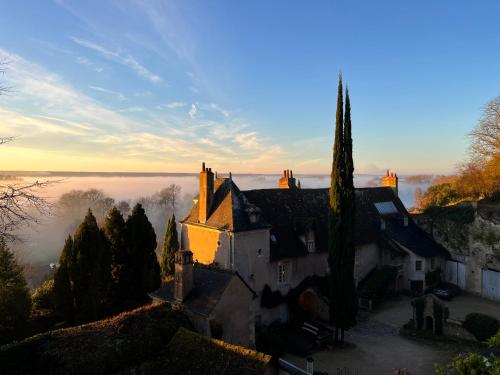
<point x="42" y="242"/>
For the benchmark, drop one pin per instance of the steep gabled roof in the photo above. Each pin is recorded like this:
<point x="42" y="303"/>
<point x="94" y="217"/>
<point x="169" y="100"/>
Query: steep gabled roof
<point x="229" y="211"/>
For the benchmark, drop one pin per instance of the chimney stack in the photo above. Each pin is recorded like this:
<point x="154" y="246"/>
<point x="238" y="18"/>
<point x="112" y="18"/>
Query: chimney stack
<point x="391" y="180"/>
<point x="206" y="193"/>
<point x="183" y="274"/>
<point x="287" y="181"/>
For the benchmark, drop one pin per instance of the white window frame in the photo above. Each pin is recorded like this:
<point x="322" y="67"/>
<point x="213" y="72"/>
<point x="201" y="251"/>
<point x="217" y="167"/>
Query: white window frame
<point x="283" y="273"/>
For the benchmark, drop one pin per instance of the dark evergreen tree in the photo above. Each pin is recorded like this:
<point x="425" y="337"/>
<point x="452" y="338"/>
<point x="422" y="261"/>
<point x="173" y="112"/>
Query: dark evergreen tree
<point x="15" y="299"/>
<point x="64" y="300"/>
<point x="170" y="247"/>
<point x="115" y="232"/>
<point x="142" y="260"/>
<point x="343" y="299"/>
<point x="347" y="317"/>
<point x="90" y="270"/>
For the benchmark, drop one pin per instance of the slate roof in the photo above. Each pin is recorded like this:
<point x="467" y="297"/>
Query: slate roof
<point x="291" y="213"/>
<point x="413" y="238"/>
<point x="209" y="285"/>
<point x="230" y="209"/>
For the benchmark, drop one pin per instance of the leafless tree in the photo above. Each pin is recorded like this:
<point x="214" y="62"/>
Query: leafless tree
<point x="168" y="196"/>
<point x="486" y="135"/>
<point x="20" y="205"/>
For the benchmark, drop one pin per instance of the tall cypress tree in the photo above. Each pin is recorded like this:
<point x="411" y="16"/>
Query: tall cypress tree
<point x="335" y="237"/>
<point x="350" y="302"/>
<point x="141" y="243"/>
<point x="64" y="300"/>
<point x="170" y="247"/>
<point x="115" y="232"/>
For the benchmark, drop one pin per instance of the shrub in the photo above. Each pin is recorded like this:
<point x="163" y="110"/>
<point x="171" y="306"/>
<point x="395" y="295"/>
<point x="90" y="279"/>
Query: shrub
<point x="102" y="347"/>
<point x="494" y="341"/>
<point x="481" y="326"/>
<point x="471" y="363"/>
<point x="271" y="342"/>
<point x="270" y="299"/>
<point x="43" y="296"/>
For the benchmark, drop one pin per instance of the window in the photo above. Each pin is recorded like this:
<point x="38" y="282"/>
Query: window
<point x="283" y="273"/>
<point x="259" y="252"/>
<point x="418" y="265"/>
<point x="310" y="246"/>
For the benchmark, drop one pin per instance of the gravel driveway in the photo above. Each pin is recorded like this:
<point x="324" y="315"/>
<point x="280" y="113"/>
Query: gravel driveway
<point x="376" y="347"/>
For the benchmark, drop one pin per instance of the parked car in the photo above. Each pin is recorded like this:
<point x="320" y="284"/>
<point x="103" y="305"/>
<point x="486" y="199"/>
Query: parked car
<point x="446" y="291"/>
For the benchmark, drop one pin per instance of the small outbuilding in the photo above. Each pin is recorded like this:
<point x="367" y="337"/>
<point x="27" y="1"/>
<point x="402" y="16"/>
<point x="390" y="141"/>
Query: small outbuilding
<point x="219" y="302"/>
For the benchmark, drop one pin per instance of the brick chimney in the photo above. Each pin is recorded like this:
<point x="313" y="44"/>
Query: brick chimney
<point x="391" y="180"/>
<point x="183" y="274"/>
<point x="287" y="181"/>
<point x="206" y="193"/>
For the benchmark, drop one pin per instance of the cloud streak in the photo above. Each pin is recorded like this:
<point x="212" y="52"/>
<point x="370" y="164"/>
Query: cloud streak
<point x="120" y="57"/>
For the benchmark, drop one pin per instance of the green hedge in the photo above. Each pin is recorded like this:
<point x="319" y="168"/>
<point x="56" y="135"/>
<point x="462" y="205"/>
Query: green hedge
<point x="481" y="326"/>
<point x="102" y="347"/>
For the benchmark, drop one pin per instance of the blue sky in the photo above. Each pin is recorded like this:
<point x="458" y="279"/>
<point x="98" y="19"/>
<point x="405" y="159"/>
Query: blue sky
<point x="246" y="86"/>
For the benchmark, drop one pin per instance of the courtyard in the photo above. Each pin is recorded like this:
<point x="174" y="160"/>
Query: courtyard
<point x="375" y="346"/>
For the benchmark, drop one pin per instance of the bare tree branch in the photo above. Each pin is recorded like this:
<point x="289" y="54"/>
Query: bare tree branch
<point x="20" y="205"/>
<point x="486" y="135"/>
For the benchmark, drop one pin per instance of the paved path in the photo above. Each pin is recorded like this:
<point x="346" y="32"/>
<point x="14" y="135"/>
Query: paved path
<point x="376" y="347"/>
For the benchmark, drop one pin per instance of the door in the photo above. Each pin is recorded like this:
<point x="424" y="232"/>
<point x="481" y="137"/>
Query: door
<point x="455" y="273"/>
<point x="491" y="285"/>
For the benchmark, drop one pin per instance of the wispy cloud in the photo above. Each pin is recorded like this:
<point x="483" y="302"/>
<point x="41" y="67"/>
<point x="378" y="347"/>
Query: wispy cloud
<point x="86" y="62"/>
<point x="193" y="111"/>
<point x="117" y="94"/>
<point x="119" y="57"/>
<point x="173" y="105"/>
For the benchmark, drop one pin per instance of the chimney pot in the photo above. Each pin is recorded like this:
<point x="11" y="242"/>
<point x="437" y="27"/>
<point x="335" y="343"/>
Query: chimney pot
<point x="291" y="173"/>
<point x="203" y="167"/>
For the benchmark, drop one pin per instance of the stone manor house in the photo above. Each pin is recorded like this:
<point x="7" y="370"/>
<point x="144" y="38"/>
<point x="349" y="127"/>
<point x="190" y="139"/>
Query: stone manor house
<point x="278" y="237"/>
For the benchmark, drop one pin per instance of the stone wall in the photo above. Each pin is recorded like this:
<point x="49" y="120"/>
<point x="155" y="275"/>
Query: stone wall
<point x="470" y="231"/>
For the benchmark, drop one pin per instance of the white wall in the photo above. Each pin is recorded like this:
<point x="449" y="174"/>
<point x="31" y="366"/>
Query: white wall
<point x="366" y="258"/>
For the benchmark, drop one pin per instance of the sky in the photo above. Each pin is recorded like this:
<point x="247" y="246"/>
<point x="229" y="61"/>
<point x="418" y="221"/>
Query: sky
<point x="247" y="86"/>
